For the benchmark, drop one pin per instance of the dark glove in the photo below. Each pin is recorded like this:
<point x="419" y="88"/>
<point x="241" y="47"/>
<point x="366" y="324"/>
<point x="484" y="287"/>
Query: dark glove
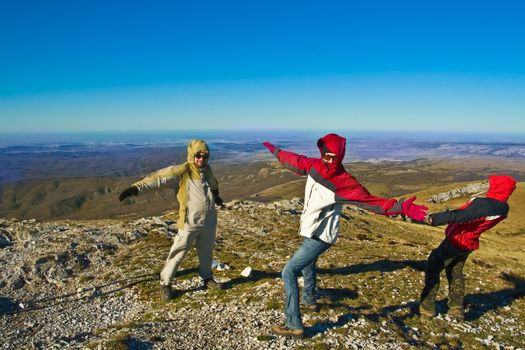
<point x="219" y="202"/>
<point x="270" y="147"/>
<point x="130" y="191"/>
<point x="414" y="211"/>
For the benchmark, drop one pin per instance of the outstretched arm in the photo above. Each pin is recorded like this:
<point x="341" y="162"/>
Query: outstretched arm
<point x="478" y="209"/>
<point x="153" y="180"/>
<point x="350" y="191"/>
<point x="297" y="163"/>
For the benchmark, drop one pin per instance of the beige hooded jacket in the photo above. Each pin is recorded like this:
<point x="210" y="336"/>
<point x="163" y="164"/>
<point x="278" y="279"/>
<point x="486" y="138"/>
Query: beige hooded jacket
<point x="197" y="190"/>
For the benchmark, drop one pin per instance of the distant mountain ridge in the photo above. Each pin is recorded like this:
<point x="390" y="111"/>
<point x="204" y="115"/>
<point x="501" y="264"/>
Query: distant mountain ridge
<point x="117" y="154"/>
<point x="96" y="197"/>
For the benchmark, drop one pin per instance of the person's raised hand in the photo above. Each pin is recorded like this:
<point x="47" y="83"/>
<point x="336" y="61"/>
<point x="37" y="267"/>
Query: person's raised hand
<point x="128" y="192"/>
<point x="270" y="146"/>
<point x="219" y="202"/>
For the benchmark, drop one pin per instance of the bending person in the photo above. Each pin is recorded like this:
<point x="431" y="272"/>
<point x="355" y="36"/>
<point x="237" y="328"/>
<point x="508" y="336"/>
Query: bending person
<point x="465" y="226"/>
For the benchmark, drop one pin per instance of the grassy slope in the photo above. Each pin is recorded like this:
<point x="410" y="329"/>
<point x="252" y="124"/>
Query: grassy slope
<point x="96" y="197"/>
<point x="374" y="273"/>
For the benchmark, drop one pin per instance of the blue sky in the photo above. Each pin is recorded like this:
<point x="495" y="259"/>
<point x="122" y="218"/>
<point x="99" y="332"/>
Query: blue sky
<point x="354" y="65"/>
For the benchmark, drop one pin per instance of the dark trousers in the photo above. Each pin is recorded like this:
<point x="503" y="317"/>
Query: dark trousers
<point x="449" y="258"/>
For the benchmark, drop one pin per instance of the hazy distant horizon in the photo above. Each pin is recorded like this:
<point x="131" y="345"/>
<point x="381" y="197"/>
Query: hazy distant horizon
<point x="35" y="156"/>
<point x="228" y="144"/>
<point x="169" y="136"/>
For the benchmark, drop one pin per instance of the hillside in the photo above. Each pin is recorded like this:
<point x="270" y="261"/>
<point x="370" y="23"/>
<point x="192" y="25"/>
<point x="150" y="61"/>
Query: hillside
<point x="93" y="284"/>
<point x="95" y="197"/>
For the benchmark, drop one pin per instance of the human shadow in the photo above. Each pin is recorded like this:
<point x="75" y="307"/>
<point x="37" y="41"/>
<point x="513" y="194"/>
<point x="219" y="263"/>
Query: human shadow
<point x="391" y="313"/>
<point x="79" y="337"/>
<point x="137" y="344"/>
<point x="352" y="313"/>
<point x="87" y="294"/>
<point x="186" y="272"/>
<point x="384" y="265"/>
<point x="129" y="343"/>
<point x="336" y="294"/>
<point x="257" y="275"/>
<point x="7" y="306"/>
<point x="92" y="292"/>
<point x="410" y="335"/>
<point x="355" y="314"/>
<point x="481" y="303"/>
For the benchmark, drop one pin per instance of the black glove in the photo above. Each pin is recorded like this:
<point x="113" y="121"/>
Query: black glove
<point x="130" y="191"/>
<point x="219" y="202"/>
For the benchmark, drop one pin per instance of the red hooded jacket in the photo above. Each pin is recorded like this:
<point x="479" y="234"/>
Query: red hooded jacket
<point x="466" y="224"/>
<point x="328" y="187"/>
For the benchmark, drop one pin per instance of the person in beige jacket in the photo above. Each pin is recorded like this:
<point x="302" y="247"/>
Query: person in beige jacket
<point x="198" y="192"/>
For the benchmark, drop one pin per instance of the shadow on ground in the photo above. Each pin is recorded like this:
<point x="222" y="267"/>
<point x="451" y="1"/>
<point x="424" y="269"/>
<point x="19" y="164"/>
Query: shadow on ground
<point x="84" y="294"/>
<point x="480" y="303"/>
<point x="257" y="275"/>
<point x="384" y="265"/>
<point x="7" y="306"/>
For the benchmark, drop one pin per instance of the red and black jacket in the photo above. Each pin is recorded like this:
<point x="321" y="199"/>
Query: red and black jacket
<point x="466" y="224"/>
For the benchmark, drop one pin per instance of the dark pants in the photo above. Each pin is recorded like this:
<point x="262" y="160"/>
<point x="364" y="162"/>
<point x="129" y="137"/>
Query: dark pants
<point x="449" y="258"/>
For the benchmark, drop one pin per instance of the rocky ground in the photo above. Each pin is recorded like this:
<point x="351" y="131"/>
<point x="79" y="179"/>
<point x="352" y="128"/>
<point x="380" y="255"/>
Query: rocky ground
<point x="94" y="285"/>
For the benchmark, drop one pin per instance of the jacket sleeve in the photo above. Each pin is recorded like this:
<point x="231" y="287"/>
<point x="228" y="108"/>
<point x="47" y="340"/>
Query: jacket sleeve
<point x="478" y="209"/>
<point x="160" y="177"/>
<point x="297" y="163"/>
<point x="214" y="184"/>
<point x="352" y="192"/>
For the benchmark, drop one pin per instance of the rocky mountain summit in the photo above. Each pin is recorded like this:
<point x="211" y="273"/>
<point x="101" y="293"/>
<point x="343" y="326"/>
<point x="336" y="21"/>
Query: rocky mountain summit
<point x="473" y="189"/>
<point x="94" y="285"/>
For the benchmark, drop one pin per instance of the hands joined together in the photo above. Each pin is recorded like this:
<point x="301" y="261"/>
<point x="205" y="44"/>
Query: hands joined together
<point x="414" y="211"/>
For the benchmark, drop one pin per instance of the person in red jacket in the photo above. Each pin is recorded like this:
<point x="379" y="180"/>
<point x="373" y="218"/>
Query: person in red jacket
<point x="465" y="226"/>
<point x="328" y="187"/>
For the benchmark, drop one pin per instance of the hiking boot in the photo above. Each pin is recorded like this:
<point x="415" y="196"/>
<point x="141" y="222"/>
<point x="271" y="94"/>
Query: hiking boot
<point x="312" y="307"/>
<point x="210" y="283"/>
<point x="425" y="314"/>
<point x="288" y="332"/>
<point x="166" y="293"/>
<point x="457" y="313"/>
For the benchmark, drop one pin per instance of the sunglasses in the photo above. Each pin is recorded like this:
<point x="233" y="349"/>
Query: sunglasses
<point x="202" y="155"/>
<point x="329" y="157"/>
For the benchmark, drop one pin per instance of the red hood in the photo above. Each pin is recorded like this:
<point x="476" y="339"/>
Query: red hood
<point x="336" y="144"/>
<point x="501" y="187"/>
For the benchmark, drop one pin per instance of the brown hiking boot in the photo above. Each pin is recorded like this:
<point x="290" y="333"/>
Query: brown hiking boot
<point x="166" y="293"/>
<point x="425" y="314"/>
<point x="288" y="332"/>
<point x="210" y="283"/>
<point x="312" y="307"/>
<point x="457" y="313"/>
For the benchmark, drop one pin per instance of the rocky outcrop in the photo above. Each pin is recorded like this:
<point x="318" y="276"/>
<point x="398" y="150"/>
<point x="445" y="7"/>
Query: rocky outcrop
<point x="478" y="188"/>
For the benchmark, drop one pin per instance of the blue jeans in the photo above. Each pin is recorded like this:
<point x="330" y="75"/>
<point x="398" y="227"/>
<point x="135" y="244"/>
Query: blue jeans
<point x="304" y="260"/>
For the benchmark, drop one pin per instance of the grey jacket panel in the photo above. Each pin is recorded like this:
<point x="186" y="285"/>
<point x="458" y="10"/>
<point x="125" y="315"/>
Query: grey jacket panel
<point x="200" y="206"/>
